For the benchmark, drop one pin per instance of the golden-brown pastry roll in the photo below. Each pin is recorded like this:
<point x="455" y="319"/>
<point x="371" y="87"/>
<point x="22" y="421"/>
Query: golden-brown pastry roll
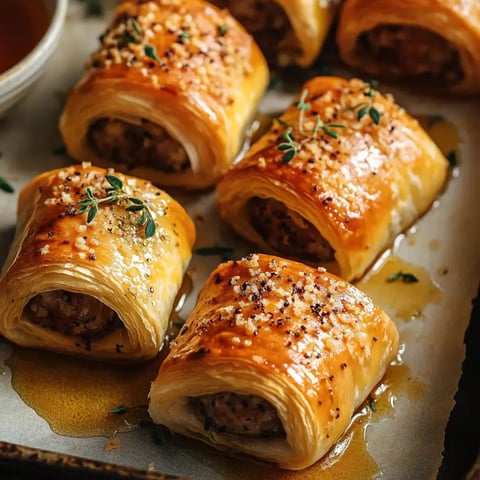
<point x="339" y="175"/>
<point x="273" y="361"/>
<point x="95" y="265"/>
<point x="434" y="43"/>
<point x="169" y="94"/>
<point x="287" y="31"/>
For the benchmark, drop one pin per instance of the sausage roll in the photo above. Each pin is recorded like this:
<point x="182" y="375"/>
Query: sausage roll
<point x="337" y="177"/>
<point x="424" y="41"/>
<point x="95" y="265"/>
<point x="273" y="361"/>
<point x="168" y="95"/>
<point x="287" y="31"/>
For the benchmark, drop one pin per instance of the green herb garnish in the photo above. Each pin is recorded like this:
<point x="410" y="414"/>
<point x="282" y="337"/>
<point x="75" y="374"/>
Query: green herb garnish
<point x="114" y="193"/>
<point x="404" y="277"/>
<point x="372" y="405"/>
<point x="222" y="30"/>
<point x="287" y="142"/>
<point x="183" y="35"/>
<point x="5" y="186"/>
<point x="136" y="26"/>
<point x="367" y="107"/>
<point x="121" y="409"/>
<point x="452" y="158"/>
<point x="302" y="107"/>
<point x="152" y="53"/>
<point x="326" y="127"/>
<point x="275" y="83"/>
<point x="93" y="7"/>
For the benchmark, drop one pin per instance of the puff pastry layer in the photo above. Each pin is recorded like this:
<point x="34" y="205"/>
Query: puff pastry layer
<point x="99" y="289"/>
<point x="273" y="361"/>
<point x="432" y="42"/>
<point x="288" y="31"/>
<point x="327" y="188"/>
<point x="169" y="94"/>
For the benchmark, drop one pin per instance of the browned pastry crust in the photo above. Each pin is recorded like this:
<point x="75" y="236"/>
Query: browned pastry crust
<point x="344" y="188"/>
<point x="434" y="43"/>
<point x="169" y="94"/>
<point x="288" y="31"/>
<point x="100" y="288"/>
<point x="273" y="336"/>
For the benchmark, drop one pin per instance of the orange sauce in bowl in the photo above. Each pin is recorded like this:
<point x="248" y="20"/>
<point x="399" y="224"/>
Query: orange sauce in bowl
<point x="22" y="25"/>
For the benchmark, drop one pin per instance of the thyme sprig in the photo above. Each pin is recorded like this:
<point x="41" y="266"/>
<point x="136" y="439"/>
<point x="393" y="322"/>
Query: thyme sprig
<point x="114" y="193"/>
<point x="288" y="143"/>
<point x="326" y="127"/>
<point x="302" y="107"/>
<point x="368" y="107"/>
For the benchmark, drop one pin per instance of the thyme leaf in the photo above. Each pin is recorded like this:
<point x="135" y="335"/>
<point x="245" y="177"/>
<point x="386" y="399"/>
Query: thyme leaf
<point x="222" y="30"/>
<point x="452" y="158"/>
<point x="121" y="409"/>
<point x="114" y="193"/>
<point x="152" y="53"/>
<point x="136" y="26"/>
<point x="5" y="186"/>
<point x="368" y="107"/>
<point x="404" y="277"/>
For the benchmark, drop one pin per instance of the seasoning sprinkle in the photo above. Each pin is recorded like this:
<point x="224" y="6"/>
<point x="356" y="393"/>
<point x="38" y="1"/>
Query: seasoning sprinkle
<point x="114" y="194"/>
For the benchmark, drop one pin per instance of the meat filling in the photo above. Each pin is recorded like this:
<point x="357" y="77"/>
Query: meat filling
<point x="137" y="145"/>
<point x="244" y="415"/>
<point x="72" y="314"/>
<point x="288" y="232"/>
<point x="410" y="51"/>
<point x="268" y="24"/>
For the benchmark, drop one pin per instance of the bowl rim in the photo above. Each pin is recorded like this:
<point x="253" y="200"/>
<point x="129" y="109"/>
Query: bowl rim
<point x="36" y="58"/>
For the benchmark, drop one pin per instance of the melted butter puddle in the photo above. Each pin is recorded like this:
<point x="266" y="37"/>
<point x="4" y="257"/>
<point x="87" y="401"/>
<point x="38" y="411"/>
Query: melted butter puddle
<point x="76" y="395"/>
<point x="407" y="299"/>
<point x="444" y="133"/>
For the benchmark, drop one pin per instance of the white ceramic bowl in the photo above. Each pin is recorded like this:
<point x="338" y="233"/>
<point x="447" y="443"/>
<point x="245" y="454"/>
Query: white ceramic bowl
<point x="15" y="82"/>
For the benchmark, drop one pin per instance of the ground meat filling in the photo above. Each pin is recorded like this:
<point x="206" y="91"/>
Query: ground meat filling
<point x="137" y="145"/>
<point x="268" y="24"/>
<point x="72" y="314"/>
<point x="244" y="415"/>
<point x="288" y="232"/>
<point x="410" y="51"/>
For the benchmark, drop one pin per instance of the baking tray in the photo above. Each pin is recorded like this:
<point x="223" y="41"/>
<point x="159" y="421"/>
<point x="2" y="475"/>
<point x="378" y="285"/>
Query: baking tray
<point x="404" y="441"/>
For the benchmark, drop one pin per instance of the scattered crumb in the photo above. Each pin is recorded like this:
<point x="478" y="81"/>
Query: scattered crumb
<point x="112" y="444"/>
